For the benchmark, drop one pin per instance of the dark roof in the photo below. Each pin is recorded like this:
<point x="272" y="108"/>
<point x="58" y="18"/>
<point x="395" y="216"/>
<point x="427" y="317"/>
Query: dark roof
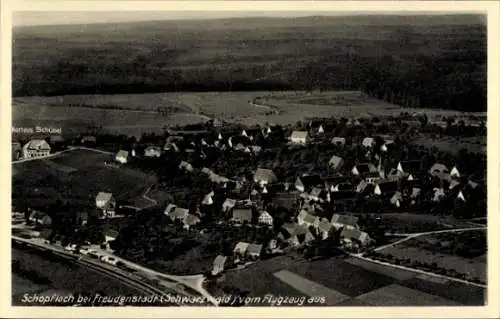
<point x="412" y="167"/>
<point x="364" y="168"/>
<point x="335" y="180"/>
<point x="342" y="195"/>
<point x="310" y="180"/>
<point x="386" y="187"/>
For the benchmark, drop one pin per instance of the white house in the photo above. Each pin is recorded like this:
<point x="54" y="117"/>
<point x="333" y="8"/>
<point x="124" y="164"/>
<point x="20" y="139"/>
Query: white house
<point x="122" y="156"/>
<point x="299" y="137"/>
<point x="152" y="151"/>
<point x="368" y="142"/>
<point x="36" y="148"/>
<point x="455" y="173"/>
<point x="265" y="218"/>
<point x="321" y="130"/>
<point x="106" y="203"/>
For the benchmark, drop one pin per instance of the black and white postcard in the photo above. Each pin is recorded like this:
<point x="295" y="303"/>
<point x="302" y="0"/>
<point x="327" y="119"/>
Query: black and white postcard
<point x="256" y="159"/>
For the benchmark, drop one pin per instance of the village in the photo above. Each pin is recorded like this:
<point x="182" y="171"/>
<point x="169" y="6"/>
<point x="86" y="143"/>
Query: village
<point x="321" y="187"/>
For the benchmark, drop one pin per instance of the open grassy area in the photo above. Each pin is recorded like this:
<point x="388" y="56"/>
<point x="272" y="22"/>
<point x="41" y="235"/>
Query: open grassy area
<point x="91" y="177"/>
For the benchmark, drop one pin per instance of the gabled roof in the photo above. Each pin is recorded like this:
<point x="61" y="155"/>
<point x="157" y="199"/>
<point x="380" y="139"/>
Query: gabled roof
<point x="324" y="225"/>
<point x="265" y="175"/>
<point x="122" y="153"/>
<point x="354" y="234"/>
<point x="254" y="249"/>
<point x="191" y="220"/>
<point x="335" y="161"/>
<point x="364" y="168"/>
<point x="242" y="214"/>
<point x="37" y="144"/>
<point x="299" y="135"/>
<point x="241" y="247"/>
<point x="348" y="220"/>
<point x="103" y="196"/>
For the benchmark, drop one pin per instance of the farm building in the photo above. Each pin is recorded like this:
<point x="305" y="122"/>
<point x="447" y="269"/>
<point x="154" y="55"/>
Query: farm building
<point x="122" y="157"/>
<point x="339" y="141"/>
<point x="299" y="137"/>
<point x="264" y="176"/>
<point x="40" y="218"/>
<point x="36" y="148"/>
<point x="265" y="218"/>
<point x="218" y="265"/>
<point x="152" y="151"/>
<point x="335" y="162"/>
<point x="106" y="203"/>
<point x="350" y="236"/>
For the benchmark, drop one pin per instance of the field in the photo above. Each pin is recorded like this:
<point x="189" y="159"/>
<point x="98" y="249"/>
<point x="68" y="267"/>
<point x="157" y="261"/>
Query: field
<point x="136" y="113"/>
<point x="42" y="275"/>
<point x="36" y="182"/>
<point x="347" y="282"/>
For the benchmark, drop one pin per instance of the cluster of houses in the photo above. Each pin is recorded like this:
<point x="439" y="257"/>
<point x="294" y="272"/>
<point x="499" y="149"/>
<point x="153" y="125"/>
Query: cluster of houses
<point x="34" y="148"/>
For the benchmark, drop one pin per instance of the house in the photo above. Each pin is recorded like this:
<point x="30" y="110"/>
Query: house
<point x="190" y="220"/>
<point x="240" y="249"/>
<point x="299" y="137"/>
<point x="306" y="182"/>
<point x="317" y="194"/>
<point x="368" y="142"/>
<point x="321" y="130"/>
<point x="439" y="170"/>
<point x="372" y="177"/>
<point x="88" y="139"/>
<point x="339" y="141"/>
<point x="110" y="234"/>
<point x="335" y="162"/>
<point x="344" y="221"/>
<point x="186" y="166"/>
<point x="324" y="228"/>
<point x="253" y="251"/>
<point x="152" y="151"/>
<point x="397" y="199"/>
<point x="300" y="235"/>
<point x="40" y="218"/>
<point x="242" y="215"/>
<point x="387" y="146"/>
<point x="176" y="213"/>
<point x="36" y="148"/>
<point x="208" y="199"/>
<point x="410" y="168"/>
<point x="385" y="188"/>
<point x="461" y="195"/>
<point x="121" y="157"/>
<point x="106" y="203"/>
<point x="363" y="168"/>
<point x="218" y="265"/>
<point x="415" y="192"/>
<point x="307" y="219"/>
<point x="453" y="184"/>
<point x="228" y="204"/>
<point x="265" y="218"/>
<point x="438" y="194"/>
<point x="350" y="236"/>
<point x="455" y="173"/>
<point x="264" y="176"/>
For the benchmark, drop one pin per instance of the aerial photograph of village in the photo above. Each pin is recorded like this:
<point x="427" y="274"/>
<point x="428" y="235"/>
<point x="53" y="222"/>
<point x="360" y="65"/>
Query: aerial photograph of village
<point x="217" y="159"/>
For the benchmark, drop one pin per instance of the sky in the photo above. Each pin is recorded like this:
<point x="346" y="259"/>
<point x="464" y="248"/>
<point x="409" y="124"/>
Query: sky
<point x="49" y="18"/>
<point x="30" y="18"/>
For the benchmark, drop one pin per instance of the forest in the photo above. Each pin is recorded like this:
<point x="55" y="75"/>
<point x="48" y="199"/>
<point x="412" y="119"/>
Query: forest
<point x="437" y="64"/>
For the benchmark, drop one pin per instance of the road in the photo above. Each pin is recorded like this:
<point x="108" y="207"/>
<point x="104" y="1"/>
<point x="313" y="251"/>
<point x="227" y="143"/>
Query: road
<point x="414" y="235"/>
